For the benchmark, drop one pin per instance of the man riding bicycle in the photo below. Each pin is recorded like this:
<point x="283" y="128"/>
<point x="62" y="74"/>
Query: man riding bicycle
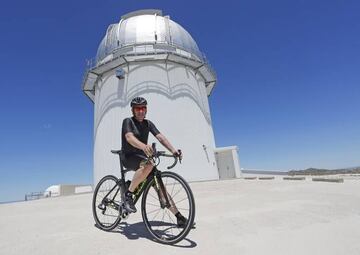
<point x="135" y="133"/>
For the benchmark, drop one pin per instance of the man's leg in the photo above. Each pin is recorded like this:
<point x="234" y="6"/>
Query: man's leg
<point x="181" y="220"/>
<point x="139" y="176"/>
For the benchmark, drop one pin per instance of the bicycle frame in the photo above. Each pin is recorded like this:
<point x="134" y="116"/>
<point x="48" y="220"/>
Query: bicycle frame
<point x="159" y="187"/>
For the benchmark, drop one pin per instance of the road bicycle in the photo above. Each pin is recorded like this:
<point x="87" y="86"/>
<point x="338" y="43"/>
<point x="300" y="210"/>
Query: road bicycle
<point x="163" y="195"/>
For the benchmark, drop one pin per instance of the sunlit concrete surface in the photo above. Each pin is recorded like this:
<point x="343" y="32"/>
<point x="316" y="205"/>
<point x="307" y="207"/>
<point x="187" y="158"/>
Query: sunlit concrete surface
<point x="233" y="217"/>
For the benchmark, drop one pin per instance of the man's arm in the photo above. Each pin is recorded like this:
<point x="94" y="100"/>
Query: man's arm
<point x="130" y="138"/>
<point x="164" y="141"/>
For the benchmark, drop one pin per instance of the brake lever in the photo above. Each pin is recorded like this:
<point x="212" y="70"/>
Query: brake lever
<point x="153" y="146"/>
<point x="180" y="154"/>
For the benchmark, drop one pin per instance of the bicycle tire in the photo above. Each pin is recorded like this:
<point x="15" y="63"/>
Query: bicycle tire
<point x="99" y="214"/>
<point x="146" y="212"/>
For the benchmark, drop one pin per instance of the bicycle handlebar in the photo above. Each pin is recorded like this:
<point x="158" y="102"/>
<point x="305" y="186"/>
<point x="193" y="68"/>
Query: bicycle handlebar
<point x="158" y="154"/>
<point x="163" y="154"/>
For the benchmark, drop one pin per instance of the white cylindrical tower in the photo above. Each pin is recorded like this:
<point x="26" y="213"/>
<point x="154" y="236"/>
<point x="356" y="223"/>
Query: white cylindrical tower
<point x="147" y="54"/>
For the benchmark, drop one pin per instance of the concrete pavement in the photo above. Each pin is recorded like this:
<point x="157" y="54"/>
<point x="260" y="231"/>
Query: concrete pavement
<point x="232" y="217"/>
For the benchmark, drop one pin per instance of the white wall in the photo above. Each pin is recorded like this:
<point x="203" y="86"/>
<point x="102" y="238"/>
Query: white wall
<point x="83" y="189"/>
<point x="178" y="106"/>
<point x="228" y="162"/>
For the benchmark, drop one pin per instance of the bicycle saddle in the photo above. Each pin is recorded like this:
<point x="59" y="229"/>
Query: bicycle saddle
<point x="116" y="151"/>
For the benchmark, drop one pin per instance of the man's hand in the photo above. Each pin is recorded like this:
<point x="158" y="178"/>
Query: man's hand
<point x="147" y="150"/>
<point x="178" y="154"/>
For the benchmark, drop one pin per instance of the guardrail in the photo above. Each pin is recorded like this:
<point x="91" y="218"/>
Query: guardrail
<point x="37" y="195"/>
<point x="95" y="62"/>
<point x="107" y="51"/>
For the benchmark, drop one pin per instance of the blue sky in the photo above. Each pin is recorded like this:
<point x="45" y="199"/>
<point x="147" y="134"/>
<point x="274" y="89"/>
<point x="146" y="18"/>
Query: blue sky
<point x="287" y="93"/>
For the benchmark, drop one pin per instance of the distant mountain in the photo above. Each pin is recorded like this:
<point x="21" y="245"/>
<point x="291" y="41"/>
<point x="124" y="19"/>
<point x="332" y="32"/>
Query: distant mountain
<point x="317" y="171"/>
<point x="246" y="171"/>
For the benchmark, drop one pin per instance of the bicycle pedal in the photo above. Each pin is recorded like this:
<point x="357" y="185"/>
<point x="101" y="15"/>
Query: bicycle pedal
<point x="125" y="215"/>
<point x="102" y="207"/>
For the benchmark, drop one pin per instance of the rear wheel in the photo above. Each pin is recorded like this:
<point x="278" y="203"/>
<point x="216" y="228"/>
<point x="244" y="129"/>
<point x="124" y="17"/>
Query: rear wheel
<point x="159" y="220"/>
<point x="106" y="202"/>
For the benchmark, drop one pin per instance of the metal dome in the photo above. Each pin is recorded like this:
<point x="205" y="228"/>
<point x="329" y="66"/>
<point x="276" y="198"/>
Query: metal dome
<point x="146" y="35"/>
<point x="146" y="27"/>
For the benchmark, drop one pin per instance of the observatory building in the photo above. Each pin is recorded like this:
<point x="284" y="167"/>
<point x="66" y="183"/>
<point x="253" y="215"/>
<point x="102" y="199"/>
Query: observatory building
<point x="147" y="54"/>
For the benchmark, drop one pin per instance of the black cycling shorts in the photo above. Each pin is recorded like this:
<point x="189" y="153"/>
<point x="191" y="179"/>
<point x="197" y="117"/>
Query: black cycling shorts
<point x="134" y="161"/>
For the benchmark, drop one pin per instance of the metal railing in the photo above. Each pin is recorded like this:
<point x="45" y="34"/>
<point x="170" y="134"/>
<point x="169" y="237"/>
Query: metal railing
<point x="37" y="195"/>
<point x="198" y="56"/>
<point x="105" y="51"/>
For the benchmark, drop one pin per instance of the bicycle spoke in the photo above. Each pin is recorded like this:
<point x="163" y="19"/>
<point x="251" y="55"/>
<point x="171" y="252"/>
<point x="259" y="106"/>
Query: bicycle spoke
<point x="181" y="200"/>
<point x="154" y="211"/>
<point x="155" y="215"/>
<point x="172" y="190"/>
<point x="170" y="218"/>
<point x="177" y="192"/>
<point x="153" y="197"/>
<point x="110" y="215"/>
<point x="153" y="204"/>
<point x="184" y="209"/>
<point x="171" y="229"/>
<point x="163" y="216"/>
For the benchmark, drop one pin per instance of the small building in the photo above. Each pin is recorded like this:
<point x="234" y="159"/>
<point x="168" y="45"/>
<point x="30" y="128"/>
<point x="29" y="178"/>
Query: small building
<point x="66" y="190"/>
<point x="228" y="162"/>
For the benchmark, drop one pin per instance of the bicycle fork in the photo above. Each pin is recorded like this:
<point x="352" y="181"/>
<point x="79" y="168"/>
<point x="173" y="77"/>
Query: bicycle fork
<point x="164" y="197"/>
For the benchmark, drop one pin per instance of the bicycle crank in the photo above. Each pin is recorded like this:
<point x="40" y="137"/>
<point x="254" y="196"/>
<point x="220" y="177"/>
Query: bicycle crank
<point x="125" y="215"/>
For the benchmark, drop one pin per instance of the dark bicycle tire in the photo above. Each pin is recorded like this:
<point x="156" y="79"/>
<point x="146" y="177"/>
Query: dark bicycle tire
<point x="98" y="213"/>
<point x="151" y="224"/>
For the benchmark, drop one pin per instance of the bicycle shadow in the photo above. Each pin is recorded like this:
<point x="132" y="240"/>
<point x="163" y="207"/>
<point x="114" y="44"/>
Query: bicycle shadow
<point x="138" y="230"/>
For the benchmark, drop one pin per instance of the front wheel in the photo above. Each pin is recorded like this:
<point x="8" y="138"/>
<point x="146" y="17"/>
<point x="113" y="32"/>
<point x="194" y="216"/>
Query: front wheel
<point x="159" y="219"/>
<point x="106" y="202"/>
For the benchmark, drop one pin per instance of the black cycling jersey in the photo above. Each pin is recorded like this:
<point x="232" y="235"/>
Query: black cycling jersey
<point x="141" y="132"/>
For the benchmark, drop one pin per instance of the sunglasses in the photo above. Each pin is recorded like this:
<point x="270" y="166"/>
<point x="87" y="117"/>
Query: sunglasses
<point x="140" y="108"/>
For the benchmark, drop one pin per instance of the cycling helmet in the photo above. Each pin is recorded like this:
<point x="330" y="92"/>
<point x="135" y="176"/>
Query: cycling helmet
<point x="138" y="101"/>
